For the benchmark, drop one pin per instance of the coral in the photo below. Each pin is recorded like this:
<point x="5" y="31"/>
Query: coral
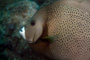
<point x="18" y="14"/>
<point x="47" y="2"/>
<point x="12" y="18"/>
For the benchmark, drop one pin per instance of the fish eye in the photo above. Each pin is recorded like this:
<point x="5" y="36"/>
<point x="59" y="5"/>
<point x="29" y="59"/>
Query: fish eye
<point x="33" y="22"/>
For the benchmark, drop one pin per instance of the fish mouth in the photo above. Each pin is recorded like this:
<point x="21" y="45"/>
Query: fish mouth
<point x="34" y="36"/>
<point x="33" y="39"/>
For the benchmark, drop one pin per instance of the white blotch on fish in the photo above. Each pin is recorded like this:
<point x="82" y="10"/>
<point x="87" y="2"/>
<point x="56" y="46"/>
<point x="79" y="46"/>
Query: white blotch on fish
<point x="22" y="32"/>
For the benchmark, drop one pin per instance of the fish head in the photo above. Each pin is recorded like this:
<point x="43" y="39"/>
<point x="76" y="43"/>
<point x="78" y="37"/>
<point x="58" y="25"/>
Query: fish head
<point x="33" y="31"/>
<point x="35" y="28"/>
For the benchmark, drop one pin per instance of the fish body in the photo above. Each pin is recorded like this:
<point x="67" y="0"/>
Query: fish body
<point x="68" y="22"/>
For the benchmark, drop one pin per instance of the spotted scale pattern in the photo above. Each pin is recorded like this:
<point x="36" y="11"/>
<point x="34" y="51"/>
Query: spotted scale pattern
<point x="70" y="27"/>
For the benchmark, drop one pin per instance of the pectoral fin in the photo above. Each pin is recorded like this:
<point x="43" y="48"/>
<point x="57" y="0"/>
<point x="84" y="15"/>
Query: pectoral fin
<point x="48" y="39"/>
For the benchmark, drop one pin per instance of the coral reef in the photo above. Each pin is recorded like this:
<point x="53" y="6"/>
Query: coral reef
<point x="47" y="2"/>
<point x="15" y="14"/>
<point x="12" y="18"/>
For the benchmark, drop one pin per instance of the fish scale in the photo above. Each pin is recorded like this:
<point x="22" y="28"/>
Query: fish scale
<point x="70" y="29"/>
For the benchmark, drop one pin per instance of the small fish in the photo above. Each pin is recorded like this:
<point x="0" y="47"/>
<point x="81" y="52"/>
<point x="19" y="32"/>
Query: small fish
<point x="68" y="22"/>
